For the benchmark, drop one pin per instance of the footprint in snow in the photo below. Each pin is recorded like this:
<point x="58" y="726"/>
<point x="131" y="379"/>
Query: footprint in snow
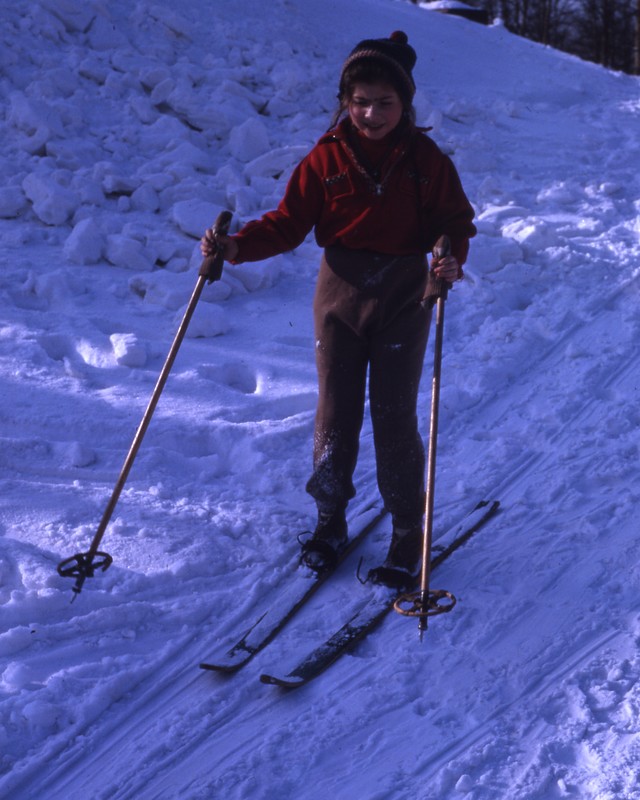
<point x="119" y="349"/>
<point x="238" y="377"/>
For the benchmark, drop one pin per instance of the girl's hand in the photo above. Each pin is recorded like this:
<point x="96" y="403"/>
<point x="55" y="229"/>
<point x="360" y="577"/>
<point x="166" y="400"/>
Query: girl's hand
<point x="210" y="243"/>
<point x="446" y="268"/>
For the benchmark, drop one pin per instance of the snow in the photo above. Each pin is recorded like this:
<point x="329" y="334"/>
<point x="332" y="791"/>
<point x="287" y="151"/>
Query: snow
<point x="126" y="129"/>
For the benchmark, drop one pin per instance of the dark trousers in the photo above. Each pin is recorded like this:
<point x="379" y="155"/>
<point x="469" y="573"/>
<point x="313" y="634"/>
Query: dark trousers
<point x="369" y="316"/>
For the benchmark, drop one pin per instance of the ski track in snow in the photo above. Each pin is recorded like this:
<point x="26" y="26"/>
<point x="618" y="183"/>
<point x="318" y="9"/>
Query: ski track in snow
<point x="125" y="130"/>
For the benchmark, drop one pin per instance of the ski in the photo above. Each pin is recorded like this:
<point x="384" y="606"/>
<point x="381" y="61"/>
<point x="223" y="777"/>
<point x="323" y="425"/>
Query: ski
<point x="379" y="602"/>
<point x="303" y="585"/>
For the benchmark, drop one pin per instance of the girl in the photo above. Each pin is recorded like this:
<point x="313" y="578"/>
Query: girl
<point x="378" y="193"/>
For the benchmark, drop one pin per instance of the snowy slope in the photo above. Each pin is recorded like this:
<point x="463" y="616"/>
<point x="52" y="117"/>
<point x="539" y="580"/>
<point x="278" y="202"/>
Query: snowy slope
<point x="125" y="128"/>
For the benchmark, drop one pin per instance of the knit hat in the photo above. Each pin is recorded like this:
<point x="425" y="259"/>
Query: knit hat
<point x="394" y="52"/>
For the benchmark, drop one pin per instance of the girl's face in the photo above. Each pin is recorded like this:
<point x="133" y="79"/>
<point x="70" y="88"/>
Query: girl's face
<point x="375" y="109"/>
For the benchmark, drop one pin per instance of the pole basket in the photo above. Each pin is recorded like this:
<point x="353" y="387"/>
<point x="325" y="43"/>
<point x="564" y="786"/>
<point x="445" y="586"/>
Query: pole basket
<point x="419" y="604"/>
<point x="83" y="566"/>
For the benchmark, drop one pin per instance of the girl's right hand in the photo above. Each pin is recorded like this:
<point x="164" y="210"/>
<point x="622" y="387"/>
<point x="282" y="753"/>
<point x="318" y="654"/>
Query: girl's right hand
<point x="210" y="243"/>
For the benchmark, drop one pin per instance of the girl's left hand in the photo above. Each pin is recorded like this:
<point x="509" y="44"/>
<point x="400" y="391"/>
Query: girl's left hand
<point x="446" y="268"/>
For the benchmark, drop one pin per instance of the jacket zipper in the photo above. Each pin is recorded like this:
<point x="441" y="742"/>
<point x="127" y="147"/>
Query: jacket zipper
<point x="378" y="186"/>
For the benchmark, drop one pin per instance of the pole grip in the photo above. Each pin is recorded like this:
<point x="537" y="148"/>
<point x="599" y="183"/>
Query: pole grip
<point x="211" y="267"/>
<point x="441" y="249"/>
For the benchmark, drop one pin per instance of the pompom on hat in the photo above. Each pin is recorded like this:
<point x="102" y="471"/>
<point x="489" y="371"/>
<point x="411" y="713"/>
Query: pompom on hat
<point x="395" y="52"/>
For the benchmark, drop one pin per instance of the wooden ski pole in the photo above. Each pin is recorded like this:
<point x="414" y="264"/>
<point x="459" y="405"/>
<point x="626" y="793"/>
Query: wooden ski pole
<point x="84" y="565"/>
<point x="426" y="602"/>
<point x="441" y="249"/>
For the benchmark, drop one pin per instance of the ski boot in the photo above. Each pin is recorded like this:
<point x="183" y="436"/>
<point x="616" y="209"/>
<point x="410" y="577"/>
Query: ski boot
<point x="320" y="552"/>
<point x="401" y="567"/>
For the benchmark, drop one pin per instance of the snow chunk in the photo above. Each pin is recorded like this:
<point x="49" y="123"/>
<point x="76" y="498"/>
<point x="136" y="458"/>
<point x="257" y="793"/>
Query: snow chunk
<point x="85" y="244"/>
<point x="174" y="22"/>
<point x="145" y="198"/>
<point x="12" y="201"/>
<point x="497" y="214"/>
<point x="161" y="91"/>
<point x="163" y="288"/>
<point x="124" y="251"/>
<point x="41" y="714"/>
<point x="533" y="234"/>
<point x="249" y="140"/>
<point x="151" y="76"/>
<point x="17" y="675"/>
<point x="187" y="156"/>
<point x="255" y="276"/>
<point x="142" y="108"/>
<point x="53" y="203"/>
<point x="560" y="192"/>
<point x="128" y="350"/>
<point x="73" y="153"/>
<point x="119" y="183"/>
<point x="75" y="15"/>
<point x="464" y="784"/>
<point x="103" y="35"/>
<point x="245" y="200"/>
<point x="231" y="104"/>
<point x="193" y="217"/>
<point x="94" y="68"/>
<point x="490" y="254"/>
<point x="37" y="120"/>
<point x="78" y="455"/>
<point x="211" y="320"/>
<point x="275" y="162"/>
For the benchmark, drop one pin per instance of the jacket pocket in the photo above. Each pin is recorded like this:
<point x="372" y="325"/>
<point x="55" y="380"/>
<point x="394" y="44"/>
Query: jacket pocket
<point x="415" y="185"/>
<point x="338" y="185"/>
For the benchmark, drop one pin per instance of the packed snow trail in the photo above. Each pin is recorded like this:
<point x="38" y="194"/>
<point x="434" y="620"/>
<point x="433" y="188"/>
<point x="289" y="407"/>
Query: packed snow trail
<point x="126" y="129"/>
<point x="547" y="665"/>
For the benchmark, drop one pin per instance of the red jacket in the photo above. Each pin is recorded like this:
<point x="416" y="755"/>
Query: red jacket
<point x="416" y="197"/>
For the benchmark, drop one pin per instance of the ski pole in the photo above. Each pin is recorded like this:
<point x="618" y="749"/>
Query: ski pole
<point x="83" y="565"/>
<point x="427" y="602"/>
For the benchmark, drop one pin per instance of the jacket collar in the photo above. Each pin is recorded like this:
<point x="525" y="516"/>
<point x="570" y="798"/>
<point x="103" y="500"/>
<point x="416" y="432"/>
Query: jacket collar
<point x="343" y="134"/>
